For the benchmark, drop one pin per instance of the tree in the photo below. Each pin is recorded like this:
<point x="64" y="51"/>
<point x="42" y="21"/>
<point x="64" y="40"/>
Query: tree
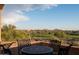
<point x="60" y="34"/>
<point x="7" y="32"/>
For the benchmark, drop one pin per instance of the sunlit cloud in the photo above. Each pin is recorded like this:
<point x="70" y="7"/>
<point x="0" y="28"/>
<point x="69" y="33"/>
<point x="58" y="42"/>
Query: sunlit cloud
<point x="12" y="18"/>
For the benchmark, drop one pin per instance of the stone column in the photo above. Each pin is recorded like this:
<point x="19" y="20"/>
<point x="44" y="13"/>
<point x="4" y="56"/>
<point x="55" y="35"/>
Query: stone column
<point x="1" y="8"/>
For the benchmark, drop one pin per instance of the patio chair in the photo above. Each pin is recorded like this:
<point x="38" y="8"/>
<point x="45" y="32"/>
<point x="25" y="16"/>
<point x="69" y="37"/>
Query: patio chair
<point x="6" y="48"/>
<point x="65" y="51"/>
<point x="1" y="49"/>
<point x="22" y="43"/>
<point x="55" y="44"/>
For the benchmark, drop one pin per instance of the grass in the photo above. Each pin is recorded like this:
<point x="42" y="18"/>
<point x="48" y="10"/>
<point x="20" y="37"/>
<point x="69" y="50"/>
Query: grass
<point x="74" y="36"/>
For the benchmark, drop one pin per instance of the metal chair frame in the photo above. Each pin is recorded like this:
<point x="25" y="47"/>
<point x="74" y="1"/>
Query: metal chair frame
<point x="22" y="43"/>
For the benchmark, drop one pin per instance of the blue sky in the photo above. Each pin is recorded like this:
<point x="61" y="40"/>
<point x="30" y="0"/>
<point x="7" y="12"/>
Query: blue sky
<point x="47" y="16"/>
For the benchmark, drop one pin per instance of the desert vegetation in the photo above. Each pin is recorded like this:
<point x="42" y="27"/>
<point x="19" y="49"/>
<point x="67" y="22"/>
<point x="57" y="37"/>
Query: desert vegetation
<point x="10" y="33"/>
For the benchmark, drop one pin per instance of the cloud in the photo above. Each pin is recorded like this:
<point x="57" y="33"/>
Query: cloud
<point x="15" y="12"/>
<point x="28" y="7"/>
<point x="47" y="6"/>
<point x="33" y="7"/>
<point x="12" y="18"/>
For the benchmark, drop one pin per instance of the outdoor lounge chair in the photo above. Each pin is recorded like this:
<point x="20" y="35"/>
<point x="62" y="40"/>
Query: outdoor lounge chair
<point x="6" y="48"/>
<point x="55" y="44"/>
<point x="22" y="43"/>
<point x="65" y="51"/>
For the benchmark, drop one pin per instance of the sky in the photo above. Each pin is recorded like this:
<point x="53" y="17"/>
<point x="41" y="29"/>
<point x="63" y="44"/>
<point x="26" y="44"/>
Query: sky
<point x="42" y="16"/>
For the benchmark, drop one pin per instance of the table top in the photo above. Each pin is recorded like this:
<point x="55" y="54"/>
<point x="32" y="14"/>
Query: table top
<point x="37" y="49"/>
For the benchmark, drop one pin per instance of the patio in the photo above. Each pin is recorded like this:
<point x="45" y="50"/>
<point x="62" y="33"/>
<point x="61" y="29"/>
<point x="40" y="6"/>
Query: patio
<point x="74" y="50"/>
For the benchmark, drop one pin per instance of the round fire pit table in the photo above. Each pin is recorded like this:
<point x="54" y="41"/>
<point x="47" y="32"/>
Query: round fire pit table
<point x="37" y="50"/>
